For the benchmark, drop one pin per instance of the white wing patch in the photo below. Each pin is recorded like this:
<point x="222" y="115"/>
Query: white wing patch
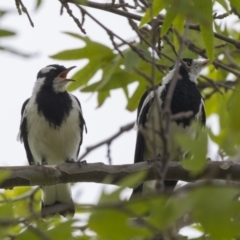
<point x="169" y="76"/>
<point x="23" y="116"/>
<point x="200" y="111"/>
<point x="47" y="69"/>
<point x="149" y="97"/>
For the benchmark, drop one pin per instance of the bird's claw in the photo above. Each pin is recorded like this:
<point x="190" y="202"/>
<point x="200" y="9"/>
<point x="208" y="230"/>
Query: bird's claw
<point x="43" y="162"/>
<point x="158" y="158"/>
<point x="70" y="161"/>
<point x="149" y="161"/>
<point x="80" y="163"/>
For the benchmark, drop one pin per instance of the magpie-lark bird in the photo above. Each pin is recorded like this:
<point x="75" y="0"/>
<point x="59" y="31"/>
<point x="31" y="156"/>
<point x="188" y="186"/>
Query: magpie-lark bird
<point x="186" y="97"/>
<point x="51" y="129"/>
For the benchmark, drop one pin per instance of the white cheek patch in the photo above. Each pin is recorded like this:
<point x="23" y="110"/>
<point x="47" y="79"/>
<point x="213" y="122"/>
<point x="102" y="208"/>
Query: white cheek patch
<point x="59" y="86"/>
<point x="47" y="69"/>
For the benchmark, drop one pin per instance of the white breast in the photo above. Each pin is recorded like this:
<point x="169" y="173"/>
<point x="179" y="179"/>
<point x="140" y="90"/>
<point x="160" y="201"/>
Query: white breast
<point x="55" y="145"/>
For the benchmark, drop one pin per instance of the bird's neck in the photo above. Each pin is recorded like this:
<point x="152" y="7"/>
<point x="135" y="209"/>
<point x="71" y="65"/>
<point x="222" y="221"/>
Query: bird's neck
<point x="54" y="106"/>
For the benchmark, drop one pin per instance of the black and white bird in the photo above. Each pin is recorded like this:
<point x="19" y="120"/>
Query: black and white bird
<point x="52" y="132"/>
<point x="186" y="97"/>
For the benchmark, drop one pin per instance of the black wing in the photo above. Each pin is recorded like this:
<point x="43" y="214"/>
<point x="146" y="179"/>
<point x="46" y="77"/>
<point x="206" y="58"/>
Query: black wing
<point x="203" y="114"/>
<point x="82" y="125"/>
<point x="140" y="143"/>
<point x="141" y="120"/>
<point x="24" y="134"/>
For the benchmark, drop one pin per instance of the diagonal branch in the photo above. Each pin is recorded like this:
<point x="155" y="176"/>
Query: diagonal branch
<point x="107" y="141"/>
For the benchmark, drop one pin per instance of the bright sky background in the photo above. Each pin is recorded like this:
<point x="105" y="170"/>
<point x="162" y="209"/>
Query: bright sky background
<point x="19" y="74"/>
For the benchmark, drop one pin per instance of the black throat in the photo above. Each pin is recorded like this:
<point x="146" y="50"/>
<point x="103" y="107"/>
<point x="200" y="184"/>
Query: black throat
<point x="186" y="97"/>
<point x="55" y="107"/>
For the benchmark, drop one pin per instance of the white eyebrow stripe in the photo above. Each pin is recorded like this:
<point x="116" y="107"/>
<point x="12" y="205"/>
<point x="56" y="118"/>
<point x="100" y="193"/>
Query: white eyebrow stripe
<point x="47" y="69"/>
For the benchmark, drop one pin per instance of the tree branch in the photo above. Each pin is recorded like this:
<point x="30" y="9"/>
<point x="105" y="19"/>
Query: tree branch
<point x="97" y="172"/>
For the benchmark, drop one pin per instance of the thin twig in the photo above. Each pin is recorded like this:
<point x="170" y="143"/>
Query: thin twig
<point x="107" y="141"/>
<point x="70" y="13"/>
<point x="24" y="9"/>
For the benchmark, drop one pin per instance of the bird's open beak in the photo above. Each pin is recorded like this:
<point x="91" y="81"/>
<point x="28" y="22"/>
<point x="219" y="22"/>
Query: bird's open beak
<point x="63" y="75"/>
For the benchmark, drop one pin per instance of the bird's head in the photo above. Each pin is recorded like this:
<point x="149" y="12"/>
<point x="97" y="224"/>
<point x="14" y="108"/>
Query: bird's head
<point x="194" y="67"/>
<point x="53" y="76"/>
<point x="189" y="69"/>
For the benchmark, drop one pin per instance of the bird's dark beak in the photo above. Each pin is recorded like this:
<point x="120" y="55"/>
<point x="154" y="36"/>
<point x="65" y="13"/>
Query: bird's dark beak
<point x="63" y="75"/>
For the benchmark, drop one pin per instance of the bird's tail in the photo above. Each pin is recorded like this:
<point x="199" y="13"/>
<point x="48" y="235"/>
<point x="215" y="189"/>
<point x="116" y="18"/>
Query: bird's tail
<point x="57" y="199"/>
<point x="148" y="187"/>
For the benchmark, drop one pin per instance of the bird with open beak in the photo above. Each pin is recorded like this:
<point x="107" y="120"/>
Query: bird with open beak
<point x="51" y="129"/>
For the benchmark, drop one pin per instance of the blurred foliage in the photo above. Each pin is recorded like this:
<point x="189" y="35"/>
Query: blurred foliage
<point x="10" y="33"/>
<point x="212" y="210"/>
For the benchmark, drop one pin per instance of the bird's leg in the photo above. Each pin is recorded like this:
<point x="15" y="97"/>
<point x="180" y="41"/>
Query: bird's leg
<point x="80" y="163"/>
<point x="70" y="160"/>
<point x="158" y="158"/>
<point x="43" y="161"/>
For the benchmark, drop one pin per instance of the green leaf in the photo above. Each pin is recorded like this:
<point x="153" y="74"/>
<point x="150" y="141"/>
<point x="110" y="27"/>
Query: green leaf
<point x="114" y="224"/>
<point x="6" y="210"/>
<point x="2" y="13"/>
<point x="4" y="175"/>
<point x="235" y="5"/>
<point x="170" y="16"/>
<point x="178" y="24"/>
<point x="109" y="69"/>
<point x="135" y="98"/>
<point x="133" y="180"/>
<point x="195" y="159"/>
<point x="102" y="96"/>
<point x="99" y="56"/>
<point x="62" y="230"/>
<point x="233" y="106"/>
<point x="6" y="33"/>
<point x="27" y="234"/>
<point x="120" y="79"/>
<point x="157" y="6"/>
<point x="131" y="59"/>
<point x="92" y="51"/>
<point x="217" y="210"/>
<point x="164" y="212"/>
<point x="38" y="4"/>
<point x="206" y="22"/>
<point x="84" y="75"/>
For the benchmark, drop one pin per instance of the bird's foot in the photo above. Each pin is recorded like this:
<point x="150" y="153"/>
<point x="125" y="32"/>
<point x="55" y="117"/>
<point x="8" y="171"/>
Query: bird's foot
<point x="70" y="161"/>
<point x="158" y="158"/>
<point x="149" y="161"/>
<point x="43" y="162"/>
<point x="80" y="163"/>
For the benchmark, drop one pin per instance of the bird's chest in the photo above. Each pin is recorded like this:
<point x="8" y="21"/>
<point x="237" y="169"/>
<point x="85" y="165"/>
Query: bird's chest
<point x="153" y="139"/>
<point x="51" y="141"/>
<point x="55" y="107"/>
<point x="186" y="97"/>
